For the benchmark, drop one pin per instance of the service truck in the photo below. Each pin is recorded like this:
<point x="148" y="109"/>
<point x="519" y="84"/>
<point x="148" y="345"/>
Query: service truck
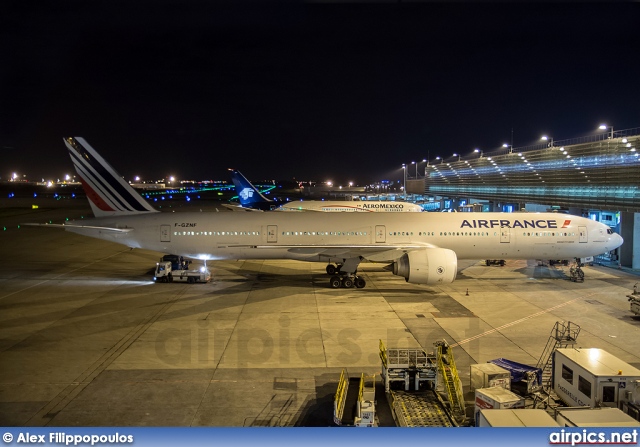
<point x="594" y="378"/>
<point x="165" y="272"/>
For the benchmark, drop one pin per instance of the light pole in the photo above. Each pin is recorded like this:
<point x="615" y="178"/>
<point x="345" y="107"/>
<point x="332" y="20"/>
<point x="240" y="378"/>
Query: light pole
<point x="404" y="185"/>
<point x="510" y="146"/>
<point x="546" y="138"/>
<point x="425" y="167"/>
<point x="439" y="158"/>
<point x="605" y="127"/>
<point x="478" y="150"/>
<point x="414" y="163"/>
<point x="457" y="155"/>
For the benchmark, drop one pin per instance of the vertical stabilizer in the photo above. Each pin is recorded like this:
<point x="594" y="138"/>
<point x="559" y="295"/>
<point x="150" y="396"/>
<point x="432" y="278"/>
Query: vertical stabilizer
<point x="247" y="193"/>
<point x="108" y="193"/>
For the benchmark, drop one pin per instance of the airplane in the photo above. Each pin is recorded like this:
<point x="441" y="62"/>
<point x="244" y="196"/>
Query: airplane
<point x="329" y="206"/>
<point x="424" y="248"/>
<point x="250" y="197"/>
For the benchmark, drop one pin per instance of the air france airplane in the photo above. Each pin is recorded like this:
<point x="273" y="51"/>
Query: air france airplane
<point x="424" y="248"/>
<point x="250" y="197"/>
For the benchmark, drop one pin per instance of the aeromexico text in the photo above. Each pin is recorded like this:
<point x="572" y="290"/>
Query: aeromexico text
<point x="382" y="205"/>
<point x="499" y="223"/>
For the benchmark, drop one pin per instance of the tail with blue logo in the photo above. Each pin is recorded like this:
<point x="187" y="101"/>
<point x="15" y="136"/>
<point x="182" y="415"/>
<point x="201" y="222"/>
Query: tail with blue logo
<point x="248" y="194"/>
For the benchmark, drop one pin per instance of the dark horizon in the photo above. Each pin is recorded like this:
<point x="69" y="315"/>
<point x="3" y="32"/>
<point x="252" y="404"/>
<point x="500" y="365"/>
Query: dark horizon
<point x="311" y="91"/>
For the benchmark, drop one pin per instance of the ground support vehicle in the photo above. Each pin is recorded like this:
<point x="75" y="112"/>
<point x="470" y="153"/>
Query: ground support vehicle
<point x="576" y="274"/>
<point x="594" y="378"/>
<point x="166" y="273"/>
<point x="634" y="299"/>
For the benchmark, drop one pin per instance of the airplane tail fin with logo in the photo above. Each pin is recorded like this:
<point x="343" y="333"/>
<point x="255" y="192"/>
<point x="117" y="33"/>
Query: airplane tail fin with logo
<point x="108" y="193"/>
<point x="247" y="193"/>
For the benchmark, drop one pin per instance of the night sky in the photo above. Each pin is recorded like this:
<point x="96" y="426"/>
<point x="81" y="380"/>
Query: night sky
<point x="346" y="92"/>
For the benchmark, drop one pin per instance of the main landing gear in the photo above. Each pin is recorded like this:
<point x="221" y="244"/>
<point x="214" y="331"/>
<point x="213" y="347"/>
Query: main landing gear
<point x="344" y="275"/>
<point x="347" y="281"/>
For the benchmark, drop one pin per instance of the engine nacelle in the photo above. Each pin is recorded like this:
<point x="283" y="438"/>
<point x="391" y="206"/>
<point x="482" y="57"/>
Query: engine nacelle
<point x="427" y="266"/>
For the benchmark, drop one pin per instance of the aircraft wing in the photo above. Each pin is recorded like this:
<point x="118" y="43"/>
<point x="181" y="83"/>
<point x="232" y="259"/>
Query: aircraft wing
<point x="238" y="207"/>
<point x="75" y="226"/>
<point x="374" y="253"/>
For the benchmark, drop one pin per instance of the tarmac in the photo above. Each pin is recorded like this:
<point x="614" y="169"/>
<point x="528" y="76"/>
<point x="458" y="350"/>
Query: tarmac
<point x="88" y="339"/>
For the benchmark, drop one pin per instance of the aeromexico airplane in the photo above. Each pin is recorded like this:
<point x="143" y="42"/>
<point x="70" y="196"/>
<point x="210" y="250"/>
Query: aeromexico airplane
<point x="250" y="197"/>
<point x="424" y="248"/>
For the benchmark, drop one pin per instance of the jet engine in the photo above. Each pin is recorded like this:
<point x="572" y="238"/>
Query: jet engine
<point x="428" y="266"/>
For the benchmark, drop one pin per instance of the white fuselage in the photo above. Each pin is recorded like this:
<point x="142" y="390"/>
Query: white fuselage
<point x="384" y="236"/>
<point x="351" y="206"/>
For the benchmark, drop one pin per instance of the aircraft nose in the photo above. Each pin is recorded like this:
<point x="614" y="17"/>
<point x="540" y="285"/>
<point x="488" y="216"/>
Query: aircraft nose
<point x="616" y="241"/>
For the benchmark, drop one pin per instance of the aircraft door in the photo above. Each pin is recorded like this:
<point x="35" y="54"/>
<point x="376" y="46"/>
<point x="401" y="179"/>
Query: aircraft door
<point x="165" y="233"/>
<point x="505" y="235"/>
<point x="381" y="232"/>
<point x="582" y="231"/>
<point x="272" y="233"/>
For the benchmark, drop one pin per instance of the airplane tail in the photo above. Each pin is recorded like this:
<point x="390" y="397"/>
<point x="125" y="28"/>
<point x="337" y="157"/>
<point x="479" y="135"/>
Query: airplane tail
<point x="108" y="193"/>
<point x="247" y="193"/>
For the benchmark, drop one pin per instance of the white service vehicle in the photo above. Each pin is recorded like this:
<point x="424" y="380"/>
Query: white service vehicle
<point x="165" y="273"/>
<point x="594" y="378"/>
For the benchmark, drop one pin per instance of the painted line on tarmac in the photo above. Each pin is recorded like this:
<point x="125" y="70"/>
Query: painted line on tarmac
<point x="513" y="323"/>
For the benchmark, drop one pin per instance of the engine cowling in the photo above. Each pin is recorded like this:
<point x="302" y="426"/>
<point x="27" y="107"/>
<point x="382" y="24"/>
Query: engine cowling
<point x="429" y="266"/>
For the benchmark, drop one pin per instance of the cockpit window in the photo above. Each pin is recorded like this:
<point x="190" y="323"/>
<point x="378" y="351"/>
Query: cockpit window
<point x="609" y="231"/>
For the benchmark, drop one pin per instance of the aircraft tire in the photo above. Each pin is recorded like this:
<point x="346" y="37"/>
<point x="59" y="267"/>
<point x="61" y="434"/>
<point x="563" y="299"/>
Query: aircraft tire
<point x="347" y="283"/>
<point x="331" y="269"/>
<point x="335" y="282"/>
<point x="360" y="282"/>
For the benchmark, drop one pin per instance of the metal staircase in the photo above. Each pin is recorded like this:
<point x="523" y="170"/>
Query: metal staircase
<point x="451" y="379"/>
<point x="563" y="334"/>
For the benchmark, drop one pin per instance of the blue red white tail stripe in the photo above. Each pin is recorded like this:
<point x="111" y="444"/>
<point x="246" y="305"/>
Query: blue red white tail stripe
<point x="108" y="193"/>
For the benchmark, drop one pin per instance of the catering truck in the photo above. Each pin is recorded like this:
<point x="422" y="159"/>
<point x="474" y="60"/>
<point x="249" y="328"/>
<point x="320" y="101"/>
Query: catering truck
<point x="594" y="378"/>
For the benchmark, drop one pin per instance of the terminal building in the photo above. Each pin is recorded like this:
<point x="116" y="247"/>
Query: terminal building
<point x="595" y="176"/>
